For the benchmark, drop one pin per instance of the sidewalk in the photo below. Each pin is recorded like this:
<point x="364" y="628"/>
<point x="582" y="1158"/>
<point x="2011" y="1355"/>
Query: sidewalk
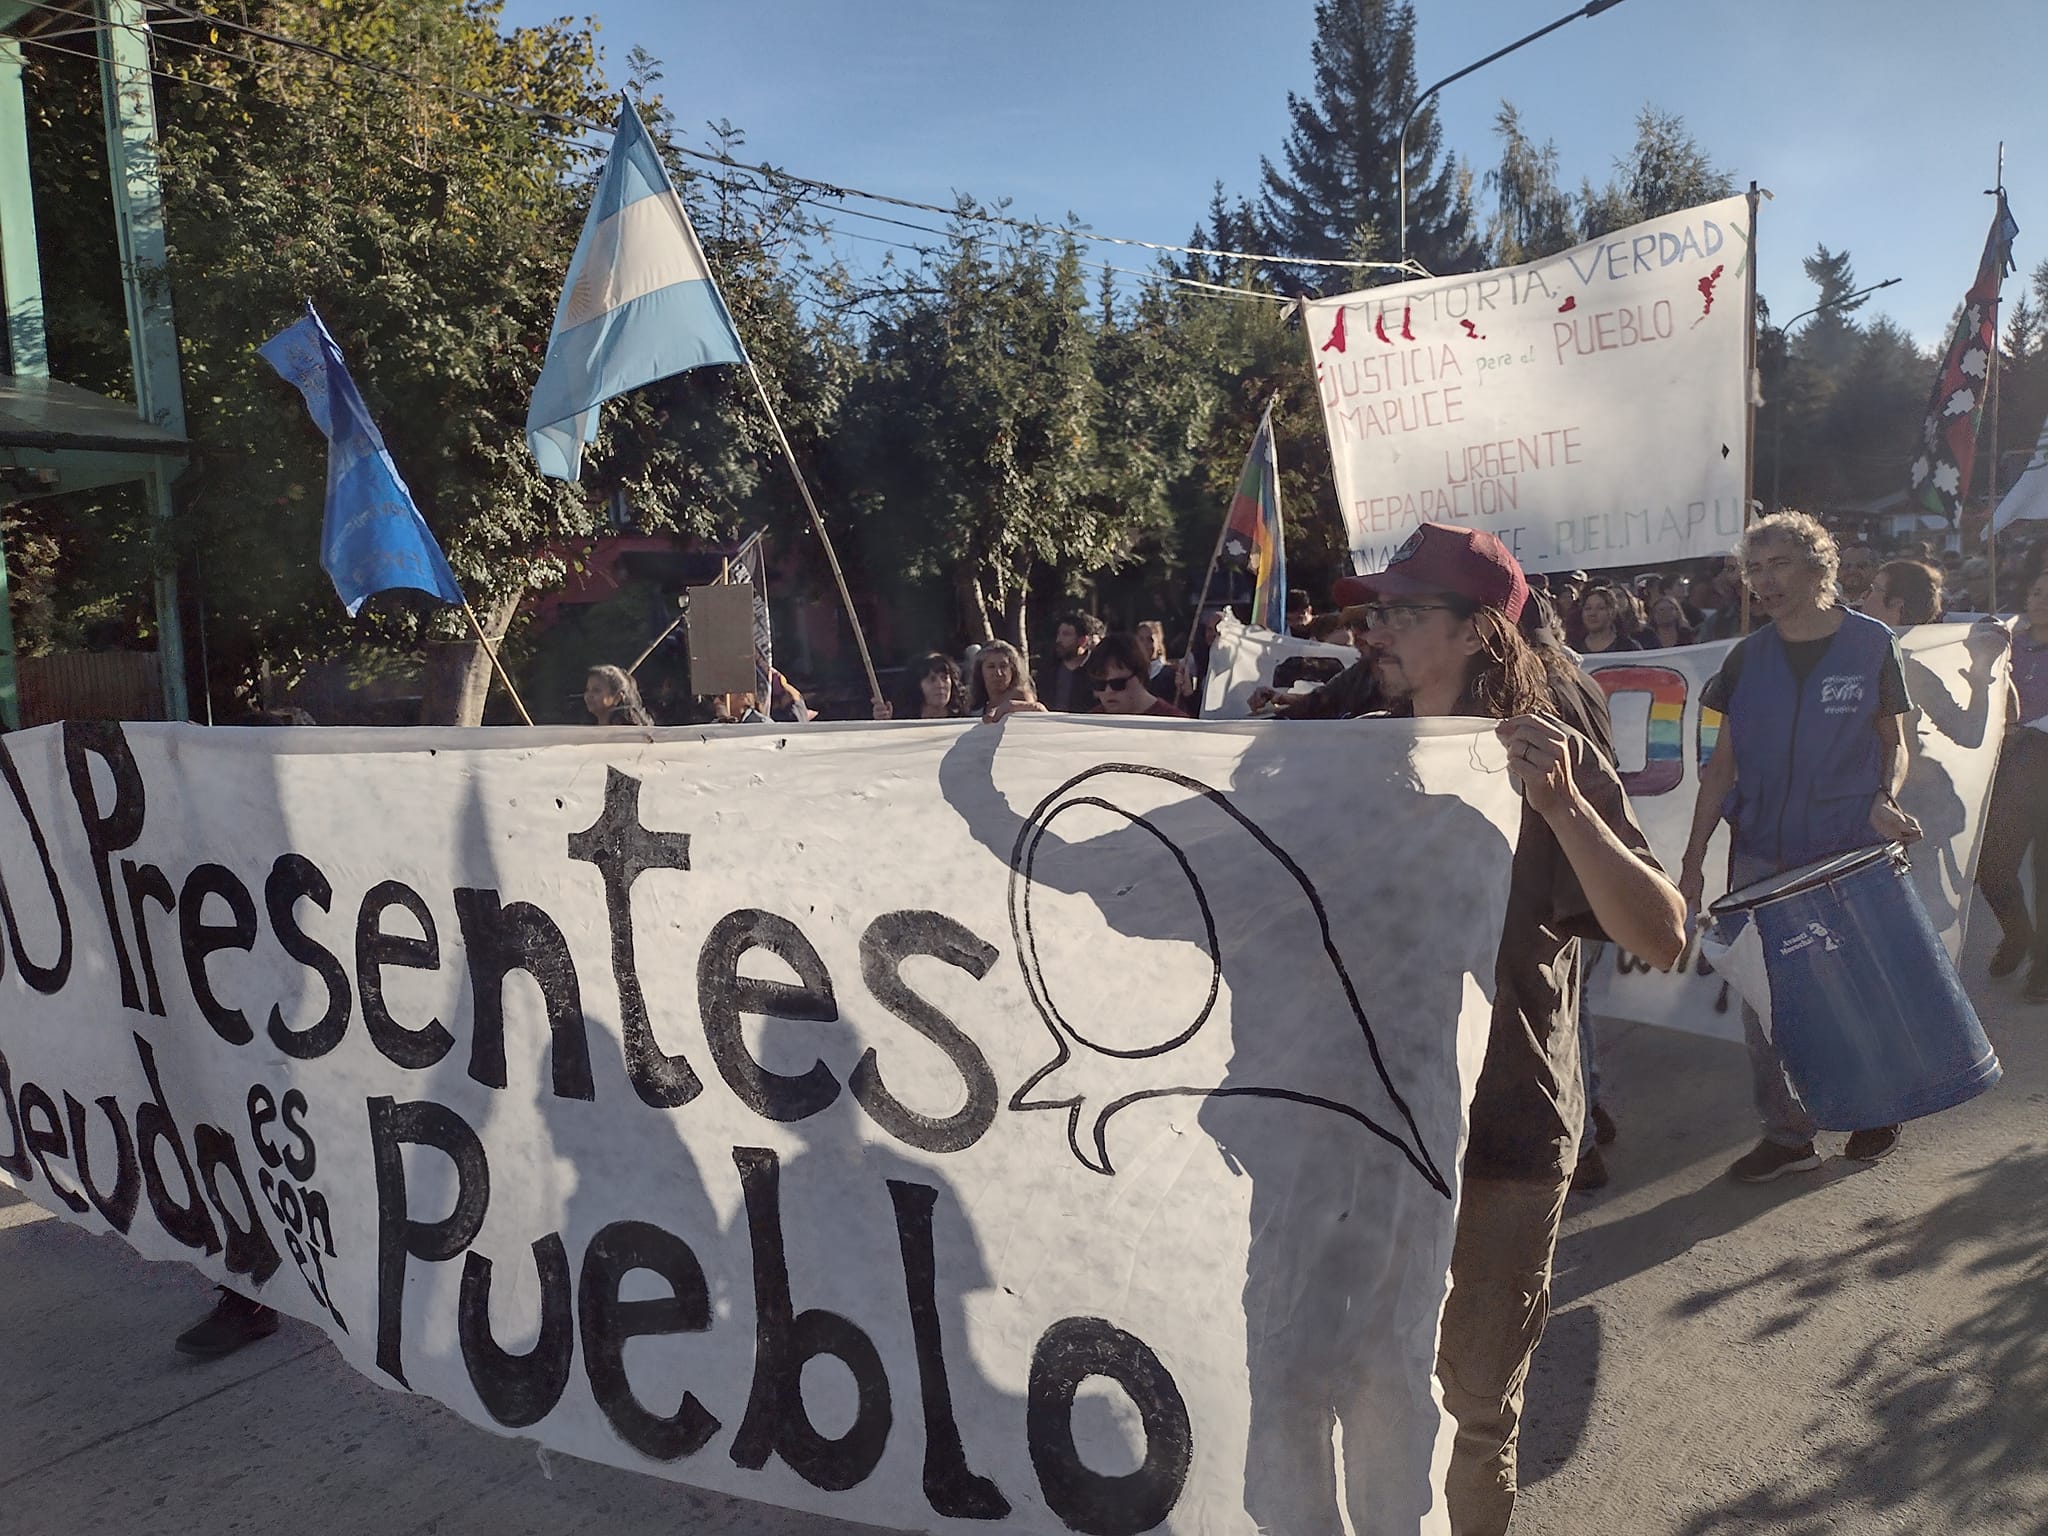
<point x="1860" y="1350"/>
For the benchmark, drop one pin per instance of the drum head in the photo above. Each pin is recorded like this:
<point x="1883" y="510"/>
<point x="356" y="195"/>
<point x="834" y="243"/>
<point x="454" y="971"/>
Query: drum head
<point x="1792" y="881"/>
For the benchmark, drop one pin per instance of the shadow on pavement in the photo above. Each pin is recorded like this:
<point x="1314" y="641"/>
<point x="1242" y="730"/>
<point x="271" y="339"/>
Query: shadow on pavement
<point x="1664" y="1131"/>
<point x="1553" y="1430"/>
<point x="1949" y="1417"/>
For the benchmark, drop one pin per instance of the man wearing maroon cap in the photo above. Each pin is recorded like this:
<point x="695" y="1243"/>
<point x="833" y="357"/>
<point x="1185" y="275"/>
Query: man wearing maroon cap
<point x="1443" y="634"/>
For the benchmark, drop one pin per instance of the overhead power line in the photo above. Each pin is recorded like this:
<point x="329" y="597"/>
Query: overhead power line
<point x="818" y="192"/>
<point x="972" y="212"/>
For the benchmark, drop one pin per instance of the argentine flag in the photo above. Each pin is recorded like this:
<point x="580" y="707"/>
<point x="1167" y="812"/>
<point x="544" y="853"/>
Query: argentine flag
<point x="639" y="304"/>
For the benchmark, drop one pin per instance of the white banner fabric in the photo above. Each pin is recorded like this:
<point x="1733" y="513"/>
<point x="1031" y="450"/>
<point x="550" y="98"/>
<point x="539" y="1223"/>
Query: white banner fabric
<point x="858" y="1119"/>
<point x="1956" y="678"/>
<point x="1587" y="408"/>
<point x="1243" y="660"/>
<point x="2026" y="499"/>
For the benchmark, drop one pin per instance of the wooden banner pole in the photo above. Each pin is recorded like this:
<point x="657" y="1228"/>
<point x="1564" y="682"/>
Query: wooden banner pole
<point x="860" y="640"/>
<point x="496" y="666"/>
<point x="1752" y="387"/>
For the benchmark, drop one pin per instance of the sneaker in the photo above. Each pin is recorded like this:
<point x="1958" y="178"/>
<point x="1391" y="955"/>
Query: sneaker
<point x="1591" y="1174"/>
<point x="234" y="1321"/>
<point x="1769" y="1161"/>
<point x="1603" y="1126"/>
<point x="1869" y="1146"/>
<point x="2036" y="989"/>
<point x="2012" y="949"/>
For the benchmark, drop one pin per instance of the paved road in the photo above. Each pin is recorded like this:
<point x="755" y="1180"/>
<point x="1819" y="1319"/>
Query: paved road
<point x="1862" y="1350"/>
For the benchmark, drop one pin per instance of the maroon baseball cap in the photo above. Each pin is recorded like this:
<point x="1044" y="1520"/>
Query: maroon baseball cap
<point x="1350" y="591"/>
<point x="1466" y="562"/>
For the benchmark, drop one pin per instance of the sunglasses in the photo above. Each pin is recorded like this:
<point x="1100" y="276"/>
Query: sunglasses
<point x="1400" y="616"/>
<point x="1114" y="684"/>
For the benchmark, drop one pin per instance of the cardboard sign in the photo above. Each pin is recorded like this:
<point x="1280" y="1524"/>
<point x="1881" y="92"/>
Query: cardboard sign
<point x="722" y="639"/>
<point x="1047" y="1127"/>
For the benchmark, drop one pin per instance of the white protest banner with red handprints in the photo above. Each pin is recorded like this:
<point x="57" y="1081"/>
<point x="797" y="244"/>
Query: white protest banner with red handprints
<point x="1588" y="408"/>
<point x="1955" y="676"/>
<point x="1047" y="1127"/>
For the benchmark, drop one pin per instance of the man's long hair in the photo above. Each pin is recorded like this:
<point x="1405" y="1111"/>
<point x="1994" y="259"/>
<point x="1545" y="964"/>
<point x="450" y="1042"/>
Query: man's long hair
<point x="1508" y="677"/>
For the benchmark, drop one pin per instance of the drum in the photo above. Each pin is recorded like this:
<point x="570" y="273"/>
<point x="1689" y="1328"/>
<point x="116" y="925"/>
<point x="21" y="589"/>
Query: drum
<point x="1854" y="988"/>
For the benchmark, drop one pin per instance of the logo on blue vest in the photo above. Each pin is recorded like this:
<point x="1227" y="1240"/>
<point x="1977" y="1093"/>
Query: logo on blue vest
<point x="1840" y="694"/>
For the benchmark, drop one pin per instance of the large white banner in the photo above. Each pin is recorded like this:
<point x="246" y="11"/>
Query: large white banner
<point x="1587" y="408"/>
<point x="1956" y="677"/>
<point x="1243" y="660"/>
<point x="1043" y="1127"/>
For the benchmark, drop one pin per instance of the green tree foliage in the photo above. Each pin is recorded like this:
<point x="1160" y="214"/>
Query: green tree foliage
<point x="974" y="437"/>
<point x="430" y="219"/>
<point x="1337" y="192"/>
<point x="1843" y="401"/>
<point x="1665" y="172"/>
<point x="990" y="439"/>
<point x="1533" y="215"/>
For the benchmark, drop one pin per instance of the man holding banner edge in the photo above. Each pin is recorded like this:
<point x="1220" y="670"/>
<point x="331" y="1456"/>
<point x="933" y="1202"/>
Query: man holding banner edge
<point x="1444" y="637"/>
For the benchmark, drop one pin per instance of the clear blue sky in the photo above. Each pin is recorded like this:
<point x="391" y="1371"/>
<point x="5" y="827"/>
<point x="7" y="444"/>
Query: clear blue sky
<point x="1873" y="122"/>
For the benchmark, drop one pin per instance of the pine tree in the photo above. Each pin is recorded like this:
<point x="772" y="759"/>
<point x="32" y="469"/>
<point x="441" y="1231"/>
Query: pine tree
<point x="1830" y="336"/>
<point x="1533" y="214"/>
<point x="1665" y="172"/>
<point x="1339" y="194"/>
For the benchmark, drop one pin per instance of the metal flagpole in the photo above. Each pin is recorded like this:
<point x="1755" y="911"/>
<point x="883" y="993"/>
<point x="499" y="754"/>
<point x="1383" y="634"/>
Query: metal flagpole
<point x="1991" y="514"/>
<point x="1752" y="388"/>
<point x="818" y="526"/>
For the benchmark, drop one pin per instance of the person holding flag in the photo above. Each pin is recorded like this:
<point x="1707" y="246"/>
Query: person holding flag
<point x="1253" y="539"/>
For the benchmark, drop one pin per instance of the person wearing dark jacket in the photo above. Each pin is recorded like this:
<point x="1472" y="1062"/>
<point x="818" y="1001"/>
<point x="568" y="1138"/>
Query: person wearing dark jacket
<point x="1062" y="683"/>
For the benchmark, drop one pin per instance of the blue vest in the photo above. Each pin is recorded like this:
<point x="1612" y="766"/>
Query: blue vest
<point x="1807" y="760"/>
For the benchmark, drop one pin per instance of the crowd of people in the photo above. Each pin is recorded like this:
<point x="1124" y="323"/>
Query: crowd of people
<point x="1816" y="701"/>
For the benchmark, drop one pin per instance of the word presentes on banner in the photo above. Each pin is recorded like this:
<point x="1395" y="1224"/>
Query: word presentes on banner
<point x="261" y="1016"/>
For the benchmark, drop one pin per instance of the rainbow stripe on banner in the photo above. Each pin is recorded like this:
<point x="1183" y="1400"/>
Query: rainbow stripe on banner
<point x="1253" y="538"/>
<point x="1663" y="767"/>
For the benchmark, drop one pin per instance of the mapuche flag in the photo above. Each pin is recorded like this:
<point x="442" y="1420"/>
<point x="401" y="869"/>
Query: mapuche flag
<point x="1948" y="440"/>
<point x="1253" y="539"/>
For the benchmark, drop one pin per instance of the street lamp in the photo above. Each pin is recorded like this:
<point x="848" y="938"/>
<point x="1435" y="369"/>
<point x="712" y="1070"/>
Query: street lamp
<point x="1593" y="8"/>
<point x="1778" y="415"/>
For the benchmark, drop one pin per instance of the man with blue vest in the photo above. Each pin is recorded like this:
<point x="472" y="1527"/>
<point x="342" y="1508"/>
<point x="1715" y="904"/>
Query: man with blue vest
<point x="1812" y="760"/>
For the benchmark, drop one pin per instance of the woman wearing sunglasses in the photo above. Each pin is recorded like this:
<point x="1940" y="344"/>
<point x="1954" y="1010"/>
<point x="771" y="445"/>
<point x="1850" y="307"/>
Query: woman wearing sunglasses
<point x="1117" y="672"/>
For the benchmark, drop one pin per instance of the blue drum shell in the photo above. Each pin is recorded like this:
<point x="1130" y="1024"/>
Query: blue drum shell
<point x="1867" y="1012"/>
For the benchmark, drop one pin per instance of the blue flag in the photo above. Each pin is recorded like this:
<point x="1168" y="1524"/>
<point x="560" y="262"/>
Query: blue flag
<point x="372" y="537"/>
<point x="639" y="304"/>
